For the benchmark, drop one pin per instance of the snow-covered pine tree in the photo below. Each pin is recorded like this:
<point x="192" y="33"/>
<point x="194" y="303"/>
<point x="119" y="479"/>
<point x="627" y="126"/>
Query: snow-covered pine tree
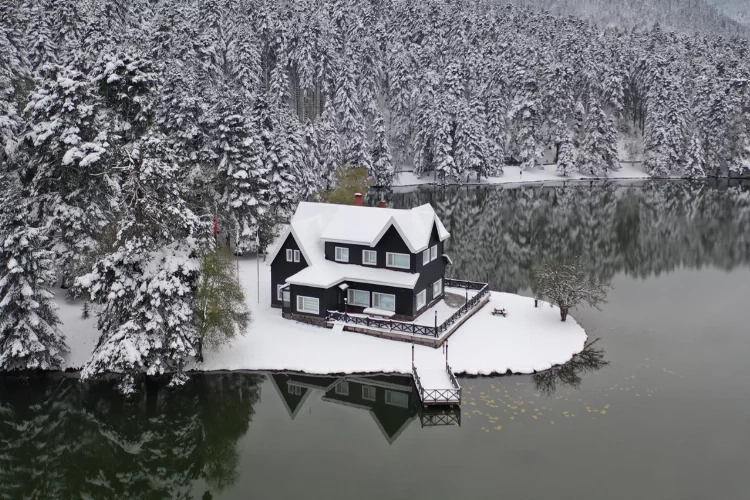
<point x="382" y="173"/>
<point x="565" y="159"/>
<point x="241" y="168"/>
<point x="30" y="337"/>
<point x="145" y="287"/>
<point x="312" y="161"/>
<point x="598" y="152"/>
<point x="330" y="151"/>
<point x="695" y="160"/>
<point x="472" y="146"/>
<point x="355" y="149"/>
<point x="68" y="146"/>
<point x="525" y="114"/>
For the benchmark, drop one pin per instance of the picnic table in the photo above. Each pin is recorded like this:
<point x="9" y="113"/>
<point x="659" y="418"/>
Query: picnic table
<point x="500" y="312"/>
<point x="379" y="313"/>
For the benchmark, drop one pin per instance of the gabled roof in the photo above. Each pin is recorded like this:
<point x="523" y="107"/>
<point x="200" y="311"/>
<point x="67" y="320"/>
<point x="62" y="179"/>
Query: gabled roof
<point x="315" y="223"/>
<point x="366" y="225"/>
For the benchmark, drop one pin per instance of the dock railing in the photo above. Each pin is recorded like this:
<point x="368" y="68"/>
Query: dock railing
<point x="410" y="327"/>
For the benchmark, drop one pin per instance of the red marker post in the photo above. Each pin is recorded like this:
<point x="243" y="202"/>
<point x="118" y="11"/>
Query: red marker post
<point x="216" y="231"/>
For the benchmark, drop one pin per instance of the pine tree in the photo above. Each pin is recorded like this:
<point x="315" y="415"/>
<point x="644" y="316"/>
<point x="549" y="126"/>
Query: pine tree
<point x="330" y="151"/>
<point x="598" y="152"/>
<point x="472" y="147"/>
<point x="312" y="161"/>
<point x="565" y="158"/>
<point x="382" y="163"/>
<point x="145" y="287"/>
<point x="695" y="161"/>
<point x="67" y="171"/>
<point x="30" y="337"/>
<point x="355" y="149"/>
<point x="245" y="187"/>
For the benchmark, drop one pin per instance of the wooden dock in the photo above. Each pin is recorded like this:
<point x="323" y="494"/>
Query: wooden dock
<point x="436" y="386"/>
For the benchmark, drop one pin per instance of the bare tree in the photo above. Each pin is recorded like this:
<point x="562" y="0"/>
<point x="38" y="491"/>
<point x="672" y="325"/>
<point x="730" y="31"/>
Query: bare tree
<point x="567" y="284"/>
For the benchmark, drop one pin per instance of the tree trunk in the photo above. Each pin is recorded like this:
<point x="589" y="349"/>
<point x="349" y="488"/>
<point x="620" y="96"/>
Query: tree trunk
<point x="563" y="313"/>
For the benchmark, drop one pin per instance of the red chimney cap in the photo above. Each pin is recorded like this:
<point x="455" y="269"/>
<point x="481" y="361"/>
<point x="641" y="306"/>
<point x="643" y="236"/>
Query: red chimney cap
<point x="358" y="199"/>
<point x="381" y="204"/>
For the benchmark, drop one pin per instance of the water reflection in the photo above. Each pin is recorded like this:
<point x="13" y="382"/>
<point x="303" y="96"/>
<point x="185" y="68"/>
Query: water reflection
<point x="63" y="439"/>
<point x="501" y="233"/>
<point x="391" y="400"/>
<point x="590" y="359"/>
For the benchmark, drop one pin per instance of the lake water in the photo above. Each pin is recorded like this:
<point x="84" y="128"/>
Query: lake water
<point x="667" y="418"/>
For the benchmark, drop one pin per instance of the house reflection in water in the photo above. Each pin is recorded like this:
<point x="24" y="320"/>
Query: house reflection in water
<point x="390" y="399"/>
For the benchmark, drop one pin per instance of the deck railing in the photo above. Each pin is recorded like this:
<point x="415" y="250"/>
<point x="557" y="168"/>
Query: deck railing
<point x="414" y="329"/>
<point x="384" y="324"/>
<point x="484" y="290"/>
<point x="442" y="396"/>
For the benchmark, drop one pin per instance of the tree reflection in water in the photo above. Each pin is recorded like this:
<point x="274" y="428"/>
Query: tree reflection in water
<point x="64" y="439"/>
<point x="590" y="359"/>
<point x="501" y="233"/>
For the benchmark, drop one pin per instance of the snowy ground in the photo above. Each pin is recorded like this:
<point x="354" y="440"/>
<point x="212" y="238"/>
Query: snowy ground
<point x="529" y="339"/>
<point x="513" y="175"/>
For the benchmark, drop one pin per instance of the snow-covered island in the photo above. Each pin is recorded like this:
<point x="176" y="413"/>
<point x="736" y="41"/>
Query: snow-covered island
<point x="528" y="339"/>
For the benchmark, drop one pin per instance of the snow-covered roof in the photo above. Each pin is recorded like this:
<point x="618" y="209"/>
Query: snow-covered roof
<point x="366" y="225"/>
<point x="315" y="223"/>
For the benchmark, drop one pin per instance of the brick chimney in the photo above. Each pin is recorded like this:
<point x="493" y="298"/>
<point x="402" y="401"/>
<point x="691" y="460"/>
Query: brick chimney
<point x="381" y="204"/>
<point x="359" y="200"/>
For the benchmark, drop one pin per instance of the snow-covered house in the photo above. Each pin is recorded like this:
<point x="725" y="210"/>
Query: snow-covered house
<point x="357" y="259"/>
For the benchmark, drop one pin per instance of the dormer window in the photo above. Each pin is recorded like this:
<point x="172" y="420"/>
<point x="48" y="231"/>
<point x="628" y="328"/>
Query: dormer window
<point x="426" y="257"/>
<point x="342" y="254"/>
<point x="399" y="260"/>
<point x="369" y="257"/>
<point x="433" y="252"/>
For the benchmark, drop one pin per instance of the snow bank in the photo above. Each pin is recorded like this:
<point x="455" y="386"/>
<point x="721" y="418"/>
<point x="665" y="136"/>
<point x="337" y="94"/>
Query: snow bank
<point x="513" y="175"/>
<point x="529" y="339"/>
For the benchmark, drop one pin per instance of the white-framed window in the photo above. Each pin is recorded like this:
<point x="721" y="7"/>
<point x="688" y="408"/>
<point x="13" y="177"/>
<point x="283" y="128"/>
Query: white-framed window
<point x="421" y="299"/>
<point x="308" y="304"/>
<point x="368" y="393"/>
<point x="395" y="398"/>
<point x="289" y="255"/>
<point x="342" y="388"/>
<point x="426" y="257"/>
<point x="279" y="292"/>
<point x="384" y="301"/>
<point x="342" y="254"/>
<point x="294" y="389"/>
<point x="296" y="256"/>
<point x="437" y="288"/>
<point x="358" y="298"/>
<point x="369" y="257"/>
<point x="400" y="260"/>
<point x="433" y="252"/>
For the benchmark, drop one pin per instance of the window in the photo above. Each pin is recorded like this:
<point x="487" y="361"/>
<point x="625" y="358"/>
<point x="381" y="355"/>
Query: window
<point x="296" y="256"/>
<point x="294" y="389"/>
<point x="308" y="304"/>
<point x="395" y="398"/>
<point x="433" y="252"/>
<point x="279" y="292"/>
<point x="287" y="299"/>
<point x="359" y="298"/>
<point x="342" y="388"/>
<point x="342" y="254"/>
<point x="400" y="260"/>
<point x="421" y="299"/>
<point x="289" y="257"/>
<point x="369" y="257"/>
<point x="437" y="288"/>
<point x="368" y="393"/>
<point x="426" y="257"/>
<point x="384" y="301"/>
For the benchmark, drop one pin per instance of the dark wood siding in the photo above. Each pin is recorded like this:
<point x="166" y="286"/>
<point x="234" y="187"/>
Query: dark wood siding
<point x="326" y="298"/>
<point x="281" y="269"/>
<point x="404" y="297"/>
<point x="431" y="272"/>
<point x="390" y="242"/>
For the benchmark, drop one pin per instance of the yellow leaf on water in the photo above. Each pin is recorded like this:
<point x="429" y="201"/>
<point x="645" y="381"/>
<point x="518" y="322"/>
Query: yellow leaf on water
<point x="499" y="428"/>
